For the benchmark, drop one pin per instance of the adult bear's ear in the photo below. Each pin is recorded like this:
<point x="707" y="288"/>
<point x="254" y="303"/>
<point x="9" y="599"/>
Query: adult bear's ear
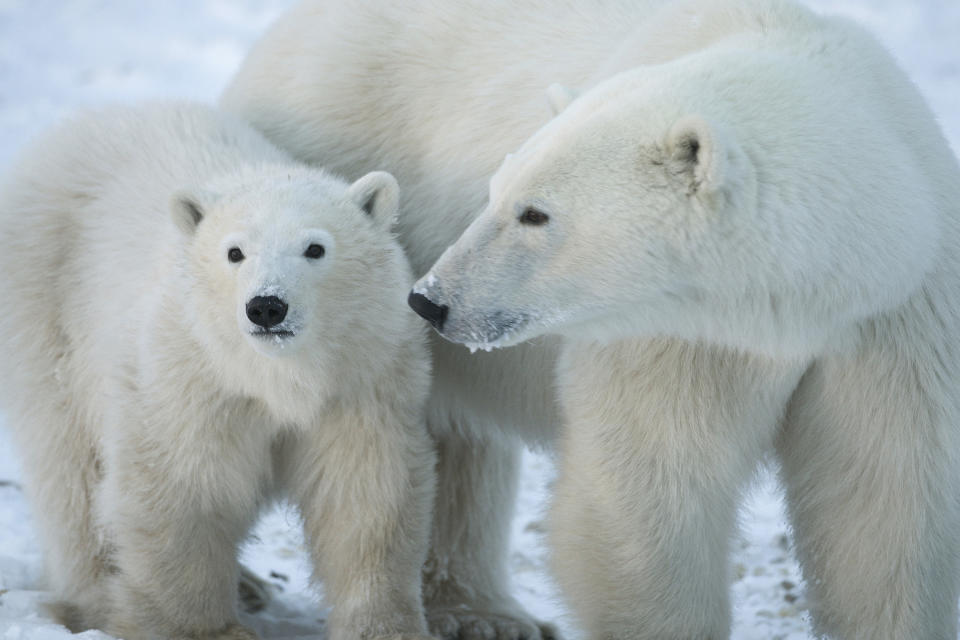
<point x="188" y="208"/>
<point x="707" y="158"/>
<point x="560" y="97"/>
<point x="378" y="194"/>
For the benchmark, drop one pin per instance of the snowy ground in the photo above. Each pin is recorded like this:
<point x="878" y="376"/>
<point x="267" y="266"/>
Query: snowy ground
<point x="57" y="55"/>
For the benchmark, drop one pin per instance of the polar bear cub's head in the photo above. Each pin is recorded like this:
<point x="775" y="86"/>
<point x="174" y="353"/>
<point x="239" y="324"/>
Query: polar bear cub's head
<point x="286" y="260"/>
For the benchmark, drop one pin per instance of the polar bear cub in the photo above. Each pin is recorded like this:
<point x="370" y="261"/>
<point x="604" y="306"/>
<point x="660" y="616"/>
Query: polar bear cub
<point x="201" y="325"/>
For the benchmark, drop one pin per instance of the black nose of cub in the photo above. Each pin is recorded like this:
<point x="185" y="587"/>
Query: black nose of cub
<point x="266" y="311"/>
<point x="433" y="313"/>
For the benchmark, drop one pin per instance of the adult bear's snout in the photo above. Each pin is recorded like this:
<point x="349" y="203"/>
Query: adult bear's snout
<point x="433" y="313"/>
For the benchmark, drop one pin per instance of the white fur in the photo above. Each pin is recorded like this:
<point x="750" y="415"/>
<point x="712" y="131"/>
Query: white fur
<point x="154" y="425"/>
<point x="750" y="246"/>
<point x="438" y="93"/>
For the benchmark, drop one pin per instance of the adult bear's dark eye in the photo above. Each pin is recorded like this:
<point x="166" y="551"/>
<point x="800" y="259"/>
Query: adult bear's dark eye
<point x="235" y="255"/>
<point x="314" y="251"/>
<point x="533" y="217"/>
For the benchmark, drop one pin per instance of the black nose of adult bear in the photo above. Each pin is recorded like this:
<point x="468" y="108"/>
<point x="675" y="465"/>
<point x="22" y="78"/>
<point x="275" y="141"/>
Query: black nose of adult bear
<point x="435" y="314"/>
<point x="266" y="311"/>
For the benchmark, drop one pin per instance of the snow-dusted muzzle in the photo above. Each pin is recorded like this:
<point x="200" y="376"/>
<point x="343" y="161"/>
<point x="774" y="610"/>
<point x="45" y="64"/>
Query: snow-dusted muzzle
<point x="479" y="330"/>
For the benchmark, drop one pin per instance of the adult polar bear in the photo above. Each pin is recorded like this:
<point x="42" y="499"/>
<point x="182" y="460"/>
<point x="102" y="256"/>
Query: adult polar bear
<point x="759" y="184"/>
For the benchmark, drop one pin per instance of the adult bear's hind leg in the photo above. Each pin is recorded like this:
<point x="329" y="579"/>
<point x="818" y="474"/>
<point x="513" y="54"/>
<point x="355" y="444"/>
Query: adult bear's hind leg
<point x="466" y="582"/>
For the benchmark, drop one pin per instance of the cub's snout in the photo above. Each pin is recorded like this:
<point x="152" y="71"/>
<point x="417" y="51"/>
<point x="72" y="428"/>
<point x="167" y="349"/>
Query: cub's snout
<point x="266" y="311"/>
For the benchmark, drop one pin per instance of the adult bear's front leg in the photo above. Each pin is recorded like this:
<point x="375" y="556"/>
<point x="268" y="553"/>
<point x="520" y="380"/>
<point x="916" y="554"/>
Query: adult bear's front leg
<point x="869" y="460"/>
<point x="660" y="439"/>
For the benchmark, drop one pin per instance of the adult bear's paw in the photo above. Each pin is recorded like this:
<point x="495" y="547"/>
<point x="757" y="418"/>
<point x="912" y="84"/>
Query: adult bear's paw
<point x="497" y="621"/>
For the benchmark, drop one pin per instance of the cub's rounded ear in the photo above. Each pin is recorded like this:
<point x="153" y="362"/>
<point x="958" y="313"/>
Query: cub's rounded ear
<point x="560" y="97"/>
<point x="188" y="208"/>
<point x="378" y="194"/>
<point x="705" y="156"/>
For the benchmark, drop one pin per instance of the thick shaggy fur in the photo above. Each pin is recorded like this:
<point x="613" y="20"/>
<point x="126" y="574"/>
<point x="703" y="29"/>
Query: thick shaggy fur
<point x="154" y="424"/>
<point x="751" y="246"/>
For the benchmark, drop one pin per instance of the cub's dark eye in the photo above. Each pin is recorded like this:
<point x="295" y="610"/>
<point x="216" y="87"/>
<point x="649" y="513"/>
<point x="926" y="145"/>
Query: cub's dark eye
<point x="314" y="251"/>
<point x="533" y="217"/>
<point x="235" y="255"/>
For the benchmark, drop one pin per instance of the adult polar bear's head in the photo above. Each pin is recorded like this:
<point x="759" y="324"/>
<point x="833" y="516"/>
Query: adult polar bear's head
<point x="757" y="201"/>
<point x="286" y="261"/>
<point x="606" y="214"/>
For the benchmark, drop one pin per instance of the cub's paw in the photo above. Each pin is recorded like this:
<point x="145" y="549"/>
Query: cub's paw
<point x="464" y="622"/>
<point x="253" y="591"/>
<point x="233" y="631"/>
<point x="69" y="615"/>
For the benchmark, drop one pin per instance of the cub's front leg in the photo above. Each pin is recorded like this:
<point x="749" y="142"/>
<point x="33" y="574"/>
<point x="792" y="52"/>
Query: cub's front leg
<point x="179" y="499"/>
<point x="364" y="482"/>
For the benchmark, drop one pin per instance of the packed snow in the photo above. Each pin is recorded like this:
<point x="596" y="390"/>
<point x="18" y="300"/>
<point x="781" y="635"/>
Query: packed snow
<point x="60" y="55"/>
